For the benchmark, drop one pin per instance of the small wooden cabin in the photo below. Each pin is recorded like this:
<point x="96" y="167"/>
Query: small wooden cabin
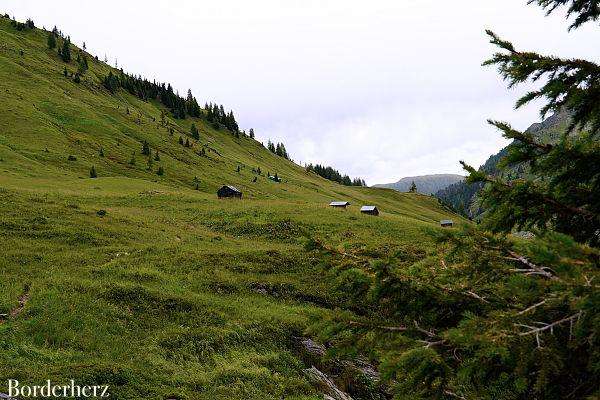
<point x="228" y="191"/>
<point x="339" y="204"/>
<point x="371" y="210"/>
<point x="446" y="223"/>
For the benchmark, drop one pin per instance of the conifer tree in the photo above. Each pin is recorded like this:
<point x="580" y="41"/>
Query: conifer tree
<point x="187" y="142"/>
<point x="93" y="173"/>
<point x="101" y="153"/>
<point x="251" y="133"/>
<point x="66" y="50"/>
<point x="145" y="148"/>
<point x="194" y="132"/>
<point x="180" y="140"/>
<point x="156" y="156"/>
<point x="413" y="187"/>
<point x="161" y="171"/>
<point x="51" y="41"/>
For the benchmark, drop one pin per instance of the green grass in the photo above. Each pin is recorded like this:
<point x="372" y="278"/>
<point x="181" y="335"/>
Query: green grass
<point x="156" y="298"/>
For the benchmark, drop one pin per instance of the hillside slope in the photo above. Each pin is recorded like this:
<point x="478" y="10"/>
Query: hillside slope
<point x="426" y="184"/>
<point x="140" y="281"/>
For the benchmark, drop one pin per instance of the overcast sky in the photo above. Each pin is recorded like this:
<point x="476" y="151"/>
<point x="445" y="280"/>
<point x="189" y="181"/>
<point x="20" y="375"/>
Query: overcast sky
<point x="380" y="89"/>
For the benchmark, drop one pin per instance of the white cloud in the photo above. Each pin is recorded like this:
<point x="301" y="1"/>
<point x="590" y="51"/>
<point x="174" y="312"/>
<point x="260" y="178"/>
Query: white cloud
<point x="379" y="89"/>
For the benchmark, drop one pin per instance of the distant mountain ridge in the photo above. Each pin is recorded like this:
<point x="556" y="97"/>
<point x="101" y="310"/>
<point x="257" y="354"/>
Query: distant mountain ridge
<point x="426" y="184"/>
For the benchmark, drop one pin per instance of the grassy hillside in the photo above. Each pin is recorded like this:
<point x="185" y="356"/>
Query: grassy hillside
<point x="140" y="281"/>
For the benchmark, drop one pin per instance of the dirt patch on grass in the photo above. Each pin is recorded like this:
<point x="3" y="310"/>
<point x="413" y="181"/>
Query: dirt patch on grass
<point x="23" y="299"/>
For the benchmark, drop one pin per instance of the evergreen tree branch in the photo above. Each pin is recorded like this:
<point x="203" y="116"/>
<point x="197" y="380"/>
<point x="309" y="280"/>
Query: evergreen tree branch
<point x="585" y="10"/>
<point x="479" y="176"/>
<point x="573" y="84"/>
<point x="510" y="133"/>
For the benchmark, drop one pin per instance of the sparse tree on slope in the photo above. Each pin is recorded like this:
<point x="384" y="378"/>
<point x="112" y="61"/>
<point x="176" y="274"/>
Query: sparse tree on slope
<point x="66" y="50"/>
<point x="51" y="41"/>
<point x="413" y="187"/>
<point x="194" y="132"/>
<point x="145" y="148"/>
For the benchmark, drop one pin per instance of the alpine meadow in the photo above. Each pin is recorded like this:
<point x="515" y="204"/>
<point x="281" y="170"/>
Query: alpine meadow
<point x="153" y="246"/>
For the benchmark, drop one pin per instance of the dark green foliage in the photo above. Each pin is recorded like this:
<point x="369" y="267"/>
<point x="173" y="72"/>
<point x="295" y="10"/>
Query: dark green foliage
<point x="484" y="316"/>
<point x="101" y="153"/>
<point x="93" y="173"/>
<point x="65" y="52"/>
<point x="194" y="132"/>
<point x="187" y="143"/>
<point x="413" y="188"/>
<point x="156" y="156"/>
<point x="132" y="160"/>
<point x="51" y="41"/>
<point x="334" y="175"/>
<point x="83" y="64"/>
<point x="217" y="117"/>
<point x="251" y="133"/>
<point x="584" y="10"/>
<point x="72" y="158"/>
<point x="161" y="171"/>
<point x="111" y="82"/>
<point x="145" y="148"/>
<point x="65" y="72"/>
<point x="20" y="26"/>
<point x="181" y="140"/>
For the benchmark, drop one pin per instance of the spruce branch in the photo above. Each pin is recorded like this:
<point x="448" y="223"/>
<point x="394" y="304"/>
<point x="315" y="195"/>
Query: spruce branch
<point x="573" y="84"/>
<point x="585" y="10"/>
<point x="531" y="189"/>
<point x="510" y="133"/>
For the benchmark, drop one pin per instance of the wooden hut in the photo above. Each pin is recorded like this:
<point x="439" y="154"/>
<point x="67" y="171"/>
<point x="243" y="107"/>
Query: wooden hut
<point x="228" y="191"/>
<point x="371" y="210"/>
<point x="446" y="223"/>
<point x="339" y="204"/>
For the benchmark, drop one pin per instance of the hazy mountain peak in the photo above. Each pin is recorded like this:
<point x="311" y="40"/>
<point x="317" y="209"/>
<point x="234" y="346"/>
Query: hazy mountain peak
<point x="426" y="184"/>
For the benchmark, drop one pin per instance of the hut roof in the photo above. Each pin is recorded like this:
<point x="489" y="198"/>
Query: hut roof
<point x="339" y="203"/>
<point x="368" y="208"/>
<point x="233" y="188"/>
<point x="446" y="222"/>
